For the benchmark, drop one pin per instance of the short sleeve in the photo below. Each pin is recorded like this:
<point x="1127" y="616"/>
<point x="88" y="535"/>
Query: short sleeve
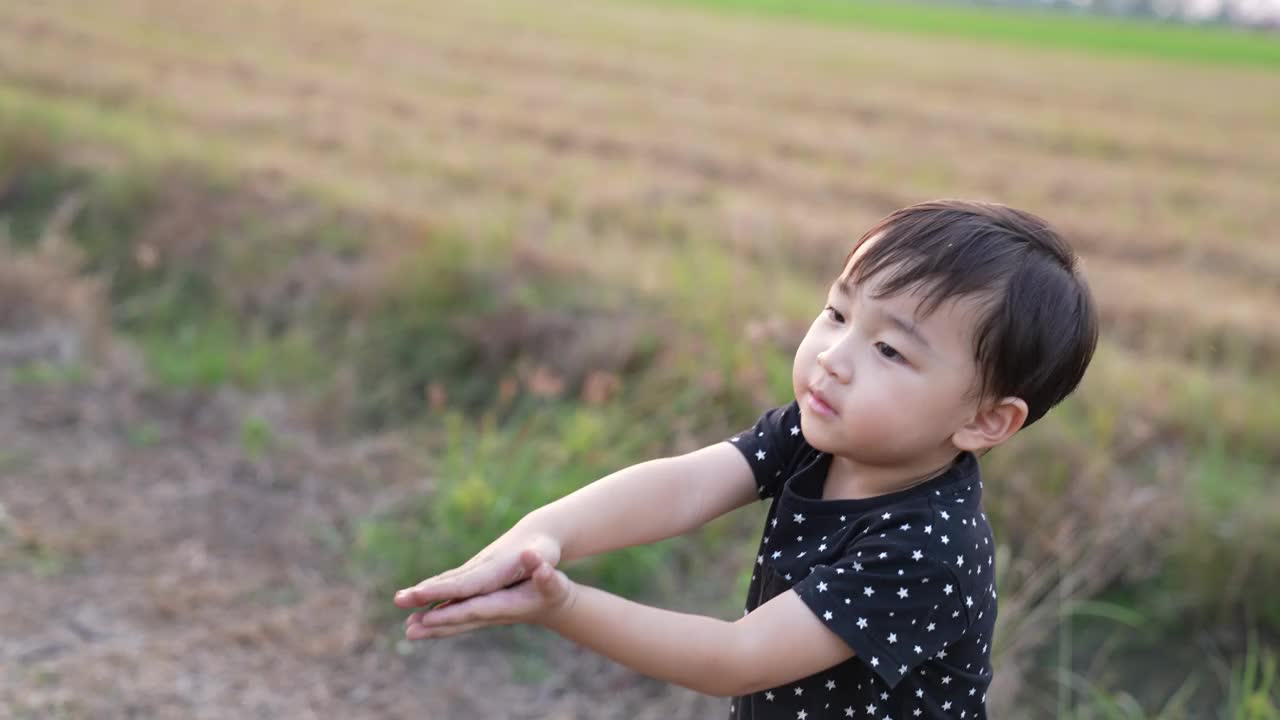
<point x="770" y="445"/>
<point x="892" y="597"/>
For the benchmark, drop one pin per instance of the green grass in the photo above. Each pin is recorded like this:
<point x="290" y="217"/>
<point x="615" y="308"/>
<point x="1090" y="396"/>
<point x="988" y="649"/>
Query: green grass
<point x="492" y="474"/>
<point x="1034" y="28"/>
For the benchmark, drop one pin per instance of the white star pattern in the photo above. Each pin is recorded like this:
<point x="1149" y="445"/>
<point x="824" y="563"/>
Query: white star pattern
<point x="882" y="540"/>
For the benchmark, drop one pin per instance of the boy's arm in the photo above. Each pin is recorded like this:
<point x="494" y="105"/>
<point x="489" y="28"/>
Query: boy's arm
<point x="781" y="641"/>
<point x="640" y="504"/>
<point x="647" y="502"/>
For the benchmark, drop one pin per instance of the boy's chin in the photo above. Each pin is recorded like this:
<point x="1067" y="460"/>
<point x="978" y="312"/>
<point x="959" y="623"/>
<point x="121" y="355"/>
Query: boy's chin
<point x="820" y="436"/>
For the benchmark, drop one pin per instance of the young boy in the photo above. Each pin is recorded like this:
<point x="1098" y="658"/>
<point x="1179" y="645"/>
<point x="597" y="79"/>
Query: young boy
<point x="951" y="326"/>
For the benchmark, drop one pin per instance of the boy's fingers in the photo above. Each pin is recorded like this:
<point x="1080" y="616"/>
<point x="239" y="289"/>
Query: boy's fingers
<point x="471" y="610"/>
<point x="530" y="561"/>
<point x="418" y="632"/>
<point x="433" y="589"/>
<point x="547" y="579"/>
<point x="447" y="576"/>
<point x="465" y="583"/>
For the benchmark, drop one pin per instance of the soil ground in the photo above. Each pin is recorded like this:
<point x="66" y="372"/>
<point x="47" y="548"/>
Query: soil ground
<point x="150" y="569"/>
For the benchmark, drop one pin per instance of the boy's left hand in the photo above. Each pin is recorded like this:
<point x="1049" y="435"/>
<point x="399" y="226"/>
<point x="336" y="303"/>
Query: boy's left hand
<point x="533" y="601"/>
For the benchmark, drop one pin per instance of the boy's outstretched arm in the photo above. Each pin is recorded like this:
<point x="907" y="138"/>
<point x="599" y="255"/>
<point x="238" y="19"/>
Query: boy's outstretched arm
<point x="648" y="502"/>
<point x="641" y="504"/>
<point x="781" y="641"/>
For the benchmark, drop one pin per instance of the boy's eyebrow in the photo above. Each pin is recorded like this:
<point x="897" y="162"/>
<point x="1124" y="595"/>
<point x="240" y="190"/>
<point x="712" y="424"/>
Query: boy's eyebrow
<point x="843" y="287"/>
<point x="909" y="328"/>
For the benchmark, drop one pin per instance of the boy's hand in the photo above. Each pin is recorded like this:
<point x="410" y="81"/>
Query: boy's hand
<point x="547" y="592"/>
<point x="494" y="568"/>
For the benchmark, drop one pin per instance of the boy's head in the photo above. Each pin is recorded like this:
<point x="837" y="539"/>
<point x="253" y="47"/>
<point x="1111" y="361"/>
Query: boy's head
<point x="952" y="325"/>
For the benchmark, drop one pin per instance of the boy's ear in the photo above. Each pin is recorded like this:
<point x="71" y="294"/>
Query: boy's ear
<point x="992" y="425"/>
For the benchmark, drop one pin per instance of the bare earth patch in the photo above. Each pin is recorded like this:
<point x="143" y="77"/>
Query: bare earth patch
<point x="149" y="567"/>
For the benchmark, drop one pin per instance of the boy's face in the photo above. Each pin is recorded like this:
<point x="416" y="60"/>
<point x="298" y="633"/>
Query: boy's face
<point x="878" y="384"/>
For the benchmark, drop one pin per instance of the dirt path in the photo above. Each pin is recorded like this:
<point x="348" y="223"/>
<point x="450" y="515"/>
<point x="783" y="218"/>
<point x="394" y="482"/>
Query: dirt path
<point x="149" y="568"/>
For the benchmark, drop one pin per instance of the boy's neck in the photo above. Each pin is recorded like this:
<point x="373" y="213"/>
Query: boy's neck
<point x="848" y="479"/>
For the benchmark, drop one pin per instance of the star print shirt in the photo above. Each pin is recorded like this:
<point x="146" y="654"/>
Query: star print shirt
<point x="906" y="579"/>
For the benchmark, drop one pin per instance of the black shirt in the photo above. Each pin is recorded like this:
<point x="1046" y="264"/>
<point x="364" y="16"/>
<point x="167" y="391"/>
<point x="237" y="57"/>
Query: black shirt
<point x="907" y="579"/>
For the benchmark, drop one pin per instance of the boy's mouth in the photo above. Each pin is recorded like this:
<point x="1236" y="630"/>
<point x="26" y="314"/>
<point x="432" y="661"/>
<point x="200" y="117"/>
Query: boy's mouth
<point x="819" y="403"/>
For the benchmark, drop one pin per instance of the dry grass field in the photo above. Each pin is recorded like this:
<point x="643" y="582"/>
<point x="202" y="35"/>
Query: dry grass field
<point x="718" y="166"/>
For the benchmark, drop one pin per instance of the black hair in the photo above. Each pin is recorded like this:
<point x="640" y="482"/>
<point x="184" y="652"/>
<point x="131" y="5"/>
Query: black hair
<point x="1039" y="326"/>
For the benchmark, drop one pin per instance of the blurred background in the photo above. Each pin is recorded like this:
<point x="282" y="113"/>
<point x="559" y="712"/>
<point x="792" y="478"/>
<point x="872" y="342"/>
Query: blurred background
<point x="304" y="301"/>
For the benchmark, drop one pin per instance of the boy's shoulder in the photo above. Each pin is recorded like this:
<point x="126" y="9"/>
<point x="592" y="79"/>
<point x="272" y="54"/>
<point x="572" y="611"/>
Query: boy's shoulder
<point x="774" y="447"/>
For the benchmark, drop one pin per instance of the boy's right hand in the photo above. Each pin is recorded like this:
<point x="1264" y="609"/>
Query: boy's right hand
<point x="493" y="568"/>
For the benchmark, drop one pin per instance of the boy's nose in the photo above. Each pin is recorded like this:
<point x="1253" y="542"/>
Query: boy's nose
<point x="836" y="364"/>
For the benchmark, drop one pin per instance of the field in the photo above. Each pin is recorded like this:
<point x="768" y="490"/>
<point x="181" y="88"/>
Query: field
<point x="353" y="246"/>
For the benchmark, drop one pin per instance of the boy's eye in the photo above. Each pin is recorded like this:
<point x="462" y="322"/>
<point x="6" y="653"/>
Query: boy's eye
<point x="889" y="353"/>
<point x="835" y="314"/>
